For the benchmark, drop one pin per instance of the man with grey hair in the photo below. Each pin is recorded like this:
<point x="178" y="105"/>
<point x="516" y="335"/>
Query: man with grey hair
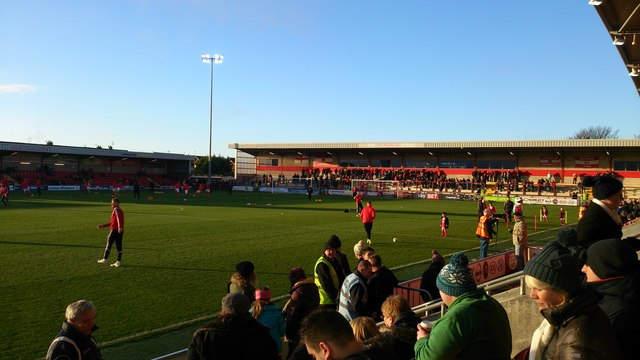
<point x="74" y="341"/>
<point x="234" y="334"/>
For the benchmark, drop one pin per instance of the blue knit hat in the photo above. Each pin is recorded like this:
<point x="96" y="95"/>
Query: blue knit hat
<point x="456" y="278"/>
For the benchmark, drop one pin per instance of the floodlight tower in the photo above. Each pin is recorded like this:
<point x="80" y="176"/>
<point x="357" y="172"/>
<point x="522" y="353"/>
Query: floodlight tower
<point x="208" y="59"/>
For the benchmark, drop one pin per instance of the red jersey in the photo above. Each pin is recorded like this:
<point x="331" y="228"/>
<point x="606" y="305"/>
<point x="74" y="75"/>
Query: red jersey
<point x="358" y="198"/>
<point x="117" y="220"/>
<point x="368" y="214"/>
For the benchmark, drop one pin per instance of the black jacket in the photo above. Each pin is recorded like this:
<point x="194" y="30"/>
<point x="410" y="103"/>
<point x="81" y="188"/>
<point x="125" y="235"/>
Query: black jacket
<point x="620" y="300"/>
<point x="304" y="299"/>
<point x="381" y="285"/>
<point x="596" y="225"/>
<point x="241" y="337"/>
<point x="428" y="281"/>
<point x="65" y="350"/>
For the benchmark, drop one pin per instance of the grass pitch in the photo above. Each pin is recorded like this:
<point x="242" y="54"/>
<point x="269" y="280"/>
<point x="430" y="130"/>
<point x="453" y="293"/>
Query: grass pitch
<point x="179" y="255"/>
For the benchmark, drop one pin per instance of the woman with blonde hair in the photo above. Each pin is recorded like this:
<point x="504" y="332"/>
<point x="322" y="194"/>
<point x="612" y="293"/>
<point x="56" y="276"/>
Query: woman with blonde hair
<point x="574" y="327"/>
<point x="364" y="328"/>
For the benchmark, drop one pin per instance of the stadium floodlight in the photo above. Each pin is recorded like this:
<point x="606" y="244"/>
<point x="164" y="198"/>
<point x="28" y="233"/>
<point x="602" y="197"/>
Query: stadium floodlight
<point x="595" y="2"/>
<point x="208" y="59"/>
<point x="618" y="40"/>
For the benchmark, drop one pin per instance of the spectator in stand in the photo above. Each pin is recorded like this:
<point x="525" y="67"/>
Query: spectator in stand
<point x="364" y="328"/>
<point x="600" y="221"/>
<point x="233" y="334"/>
<point x="476" y="326"/>
<point x="328" y="335"/>
<point x="326" y="276"/>
<point x="359" y="249"/>
<point x="341" y="258"/>
<point x="368" y="214"/>
<point x="381" y="285"/>
<point x="612" y="269"/>
<point x="304" y="298"/>
<point x="399" y="336"/>
<point x="269" y="314"/>
<point x="243" y="280"/>
<point x="444" y="224"/>
<point x="116" y="232"/>
<point x="429" y="276"/>
<point x="354" y="296"/>
<point x="574" y="327"/>
<point x="519" y="236"/>
<point x="75" y="339"/>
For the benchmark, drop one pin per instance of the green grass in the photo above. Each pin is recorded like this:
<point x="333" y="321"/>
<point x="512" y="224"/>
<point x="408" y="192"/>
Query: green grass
<point x="179" y="255"/>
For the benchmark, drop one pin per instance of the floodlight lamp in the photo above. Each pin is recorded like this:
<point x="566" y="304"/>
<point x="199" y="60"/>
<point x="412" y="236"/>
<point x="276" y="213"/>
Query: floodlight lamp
<point x="595" y="2"/>
<point x="618" y="40"/>
<point x="217" y="59"/>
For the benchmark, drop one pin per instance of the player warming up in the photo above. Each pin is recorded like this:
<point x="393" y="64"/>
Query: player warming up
<point x="444" y="224"/>
<point x="367" y="215"/>
<point x="116" y="230"/>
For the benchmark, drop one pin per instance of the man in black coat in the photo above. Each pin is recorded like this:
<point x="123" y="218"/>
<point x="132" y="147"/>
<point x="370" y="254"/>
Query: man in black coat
<point x="74" y="341"/>
<point x="612" y="269"/>
<point x="234" y="334"/>
<point x="381" y="285"/>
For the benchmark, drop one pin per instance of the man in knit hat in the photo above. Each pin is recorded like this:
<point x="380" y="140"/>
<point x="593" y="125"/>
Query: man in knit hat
<point x="600" y="220"/>
<point x="476" y="326"/>
<point x="612" y="270"/>
<point x="341" y="258"/>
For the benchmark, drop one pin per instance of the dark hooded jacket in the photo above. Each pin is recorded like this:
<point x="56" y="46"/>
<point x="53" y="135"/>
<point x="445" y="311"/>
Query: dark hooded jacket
<point x="237" y="337"/>
<point x="620" y="301"/>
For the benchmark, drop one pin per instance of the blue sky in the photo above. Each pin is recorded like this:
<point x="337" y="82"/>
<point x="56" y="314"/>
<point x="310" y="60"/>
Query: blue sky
<point x="128" y="73"/>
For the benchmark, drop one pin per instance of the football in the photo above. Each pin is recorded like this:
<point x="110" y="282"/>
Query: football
<point x="395" y="240"/>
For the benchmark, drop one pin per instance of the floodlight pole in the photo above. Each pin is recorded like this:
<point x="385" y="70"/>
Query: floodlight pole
<point x="215" y="59"/>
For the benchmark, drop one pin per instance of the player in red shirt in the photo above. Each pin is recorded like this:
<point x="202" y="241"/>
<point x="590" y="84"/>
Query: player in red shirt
<point x="4" y="193"/>
<point x="358" y="199"/>
<point x="116" y="230"/>
<point x="444" y="224"/>
<point x="562" y="216"/>
<point x="545" y="214"/>
<point x="367" y="215"/>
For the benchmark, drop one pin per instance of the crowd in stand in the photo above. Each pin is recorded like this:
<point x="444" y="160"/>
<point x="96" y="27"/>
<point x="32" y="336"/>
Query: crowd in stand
<point x="586" y="285"/>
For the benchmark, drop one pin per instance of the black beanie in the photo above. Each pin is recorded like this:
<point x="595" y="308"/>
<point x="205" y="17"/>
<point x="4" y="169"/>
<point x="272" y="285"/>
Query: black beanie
<point x="333" y="243"/>
<point x="611" y="257"/>
<point x="557" y="266"/>
<point x="603" y="185"/>
<point x="245" y="268"/>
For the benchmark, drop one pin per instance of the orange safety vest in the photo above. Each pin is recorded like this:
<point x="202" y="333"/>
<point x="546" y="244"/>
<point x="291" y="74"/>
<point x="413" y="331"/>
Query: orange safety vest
<point x="482" y="229"/>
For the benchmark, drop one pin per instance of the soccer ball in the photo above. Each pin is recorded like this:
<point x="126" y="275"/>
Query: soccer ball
<point x="395" y="240"/>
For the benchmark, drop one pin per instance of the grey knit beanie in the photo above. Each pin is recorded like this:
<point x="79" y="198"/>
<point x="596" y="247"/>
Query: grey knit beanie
<point x="557" y="266"/>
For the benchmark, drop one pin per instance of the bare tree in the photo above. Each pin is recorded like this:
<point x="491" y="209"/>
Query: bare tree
<point x="596" y="132"/>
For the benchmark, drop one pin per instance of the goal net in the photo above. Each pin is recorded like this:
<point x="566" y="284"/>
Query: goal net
<point x="379" y="188"/>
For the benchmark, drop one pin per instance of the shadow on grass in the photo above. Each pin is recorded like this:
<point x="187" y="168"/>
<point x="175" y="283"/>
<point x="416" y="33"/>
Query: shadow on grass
<point x="64" y="245"/>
